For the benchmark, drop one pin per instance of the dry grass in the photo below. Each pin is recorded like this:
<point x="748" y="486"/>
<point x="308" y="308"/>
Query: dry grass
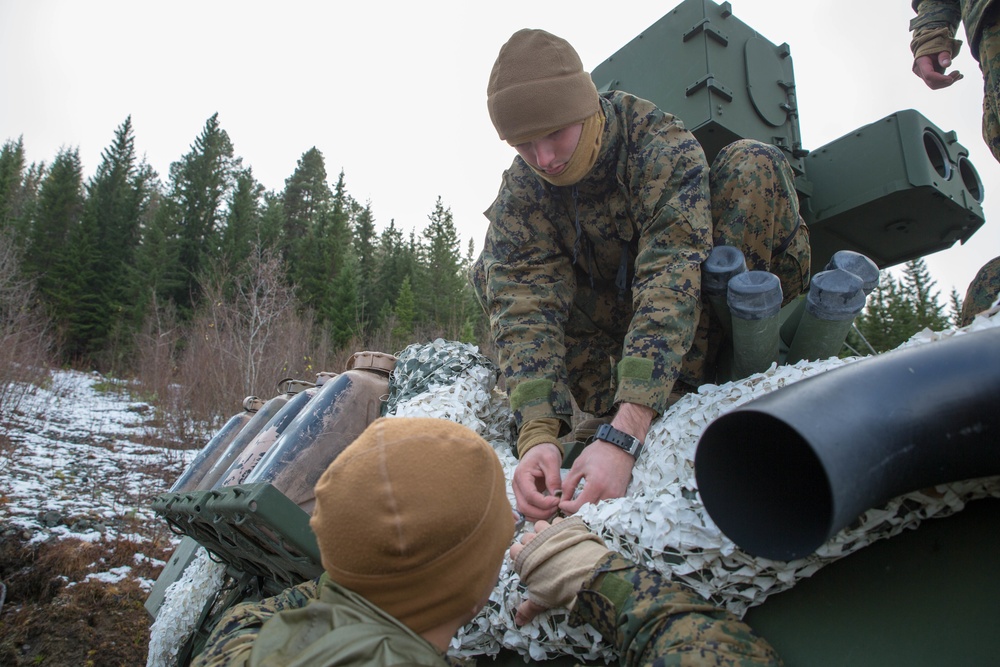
<point x="54" y="615"/>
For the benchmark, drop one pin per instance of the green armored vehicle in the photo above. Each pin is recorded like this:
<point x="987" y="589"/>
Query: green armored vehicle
<point x="774" y="474"/>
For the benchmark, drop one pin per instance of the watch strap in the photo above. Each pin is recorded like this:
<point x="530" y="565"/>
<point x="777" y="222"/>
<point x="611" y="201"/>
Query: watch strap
<point x="629" y="443"/>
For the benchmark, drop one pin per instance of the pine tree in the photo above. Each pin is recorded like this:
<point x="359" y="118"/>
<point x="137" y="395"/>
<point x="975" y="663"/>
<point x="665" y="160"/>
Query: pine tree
<point x="307" y="199"/>
<point x="956" y="308"/>
<point x="919" y="293"/>
<point x="57" y="214"/>
<point x="879" y="321"/>
<point x="897" y="309"/>
<point x="308" y="245"/>
<point x="11" y="180"/>
<point x="477" y="324"/>
<point x="364" y="251"/>
<point x="56" y="256"/>
<point x="119" y="201"/>
<point x="272" y="217"/>
<point x="404" y="314"/>
<point x="18" y="190"/>
<point x="79" y="306"/>
<point x="158" y="258"/>
<point x="440" y="298"/>
<point x="344" y="306"/>
<point x="201" y="182"/>
<point x="394" y="264"/>
<point x="243" y="221"/>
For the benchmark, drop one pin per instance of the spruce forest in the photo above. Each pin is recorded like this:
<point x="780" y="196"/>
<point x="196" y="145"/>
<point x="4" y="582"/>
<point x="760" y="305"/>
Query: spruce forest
<point x="204" y="287"/>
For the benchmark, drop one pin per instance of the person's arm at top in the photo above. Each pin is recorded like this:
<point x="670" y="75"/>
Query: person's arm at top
<point x="934" y="44"/>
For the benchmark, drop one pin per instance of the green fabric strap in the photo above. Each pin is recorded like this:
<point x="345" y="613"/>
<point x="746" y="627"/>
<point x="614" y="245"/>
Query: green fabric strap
<point x="635" y="368"/>
<point x="529" y="390"/>
<point x="616" y="590"/>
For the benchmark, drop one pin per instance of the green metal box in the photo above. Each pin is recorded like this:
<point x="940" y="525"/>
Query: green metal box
<point x="719" y="76"/>
<point x="895" y="190"/>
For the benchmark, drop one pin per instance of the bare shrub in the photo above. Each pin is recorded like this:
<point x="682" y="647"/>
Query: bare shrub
<point x="246" y="338"/>
<point x="25" y="336"/>
<point x="157" y="347"/>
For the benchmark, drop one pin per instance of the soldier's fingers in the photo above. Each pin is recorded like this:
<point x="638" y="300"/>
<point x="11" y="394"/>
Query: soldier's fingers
<point x="526" y="611"/>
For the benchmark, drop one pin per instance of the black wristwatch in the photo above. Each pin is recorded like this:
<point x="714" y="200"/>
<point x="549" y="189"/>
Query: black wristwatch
<point x="609" y="433"/>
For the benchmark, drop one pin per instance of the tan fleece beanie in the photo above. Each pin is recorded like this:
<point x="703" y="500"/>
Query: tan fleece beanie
<point x="414" y="516"/>
<point x="538" y="86"/>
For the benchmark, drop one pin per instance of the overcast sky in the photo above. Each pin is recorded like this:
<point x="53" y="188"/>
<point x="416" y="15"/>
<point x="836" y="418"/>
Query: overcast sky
<point x="393" y="93"/>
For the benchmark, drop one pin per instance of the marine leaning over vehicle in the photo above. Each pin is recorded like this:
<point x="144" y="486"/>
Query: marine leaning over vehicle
<point x="591" y="267"/>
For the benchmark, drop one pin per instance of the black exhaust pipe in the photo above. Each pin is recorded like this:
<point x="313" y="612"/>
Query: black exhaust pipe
<point x="786" y="472"/>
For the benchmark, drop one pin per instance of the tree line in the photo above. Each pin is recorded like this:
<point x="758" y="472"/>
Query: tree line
<point x="135" y="272"/>
<point x="208" y="286"/>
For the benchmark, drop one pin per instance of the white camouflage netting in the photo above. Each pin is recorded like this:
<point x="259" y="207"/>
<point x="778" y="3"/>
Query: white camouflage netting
<point x="662" y="523"/>
<point x="183" y="603"/>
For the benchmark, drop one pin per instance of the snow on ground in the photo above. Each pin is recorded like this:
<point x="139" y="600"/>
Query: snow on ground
<point x="81" y="466"/>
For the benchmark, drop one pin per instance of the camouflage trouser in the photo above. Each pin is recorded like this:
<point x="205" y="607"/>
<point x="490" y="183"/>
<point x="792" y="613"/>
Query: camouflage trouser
<point x="983" y="291"/>
<point x="755" y="208"/>
<point x="989" y="63"/>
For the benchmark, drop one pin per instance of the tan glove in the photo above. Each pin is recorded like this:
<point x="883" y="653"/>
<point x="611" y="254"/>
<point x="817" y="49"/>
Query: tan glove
<point x="556" y="562"/>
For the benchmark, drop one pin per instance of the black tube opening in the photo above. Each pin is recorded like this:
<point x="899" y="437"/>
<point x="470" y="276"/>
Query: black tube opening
<point x="764" y="486"/>
<point x="970" y="178"/>
<point x="937" y="154"/>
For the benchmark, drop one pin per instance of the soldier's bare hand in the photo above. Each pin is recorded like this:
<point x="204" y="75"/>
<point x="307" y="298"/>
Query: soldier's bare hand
<point x="537" y="482"/>
<point x="606" y="471"/>
<point x="529" y="535"/>
<point x="932" y="69"/>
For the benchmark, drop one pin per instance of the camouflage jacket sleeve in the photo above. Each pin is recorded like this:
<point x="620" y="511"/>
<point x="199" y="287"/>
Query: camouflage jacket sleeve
<point x="232" y="639"/>
<point x="935" y="14"/>
<point x="666" y="181"/>
<point x="654" y="621"/>
<point x="529" y="285"/>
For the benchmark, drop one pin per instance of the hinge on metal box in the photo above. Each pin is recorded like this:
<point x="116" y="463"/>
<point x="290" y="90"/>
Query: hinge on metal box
<point x="709" y="81"/>
<point x="710" y="30"/>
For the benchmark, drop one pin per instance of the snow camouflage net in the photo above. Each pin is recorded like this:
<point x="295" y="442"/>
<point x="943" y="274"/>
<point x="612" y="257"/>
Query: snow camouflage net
<point x="661" y="523"/>
<point x="183" y="603"/>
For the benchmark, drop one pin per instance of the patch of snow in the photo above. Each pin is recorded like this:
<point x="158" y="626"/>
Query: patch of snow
<point x="81" y="466"/>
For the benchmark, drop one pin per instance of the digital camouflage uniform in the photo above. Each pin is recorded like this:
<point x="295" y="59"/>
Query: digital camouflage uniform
<point x="316" y="623"/>
<point x="983" y="32"/>
<point x="653" y="621"/>
<point x="595" y="288"/>
<point x="982" y="28"/>
<point x="983" y="291"/>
